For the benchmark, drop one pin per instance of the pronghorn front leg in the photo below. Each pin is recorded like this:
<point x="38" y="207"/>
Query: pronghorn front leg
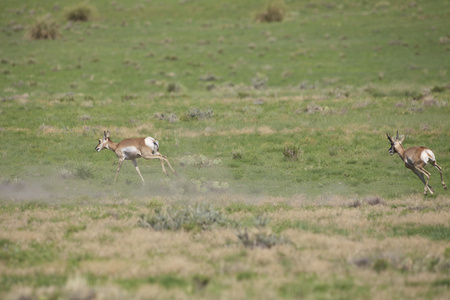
<point x="440" y="172"/>
<point x="420" y="175"/>
<point x="137" y="169"/>
<point x="428" y="175"/>
<point x="118" y="169"/>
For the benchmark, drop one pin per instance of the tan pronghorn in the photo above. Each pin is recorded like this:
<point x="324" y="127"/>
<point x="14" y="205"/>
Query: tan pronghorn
<point x="415" y="159"/>
<point x="131" y="149"/>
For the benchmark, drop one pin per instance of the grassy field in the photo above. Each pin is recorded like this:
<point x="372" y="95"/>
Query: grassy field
<point x="285" y="187"/>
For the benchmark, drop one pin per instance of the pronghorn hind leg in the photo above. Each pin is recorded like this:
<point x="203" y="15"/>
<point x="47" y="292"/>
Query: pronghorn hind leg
<point x="162" y="166"/>
<point x="167" y="161"/>
<point x="440" y="172"/>
<point x="148" y="155"/>
<point x="137" y="169"/>
<point x="427" y="174"/>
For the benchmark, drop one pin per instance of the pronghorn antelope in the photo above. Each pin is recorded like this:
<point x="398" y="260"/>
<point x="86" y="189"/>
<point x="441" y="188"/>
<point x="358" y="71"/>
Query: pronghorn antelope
<point x="415" y="159"/>
<point x="131" y="149"/>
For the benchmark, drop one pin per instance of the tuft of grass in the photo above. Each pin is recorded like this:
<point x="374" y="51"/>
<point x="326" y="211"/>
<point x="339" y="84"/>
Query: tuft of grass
<point x="274" y="11"/>
<point x="82" y="12"/>
<point x="83" y="172"/>
<point x="438" y="89"/>
<point x="44" y="28"/>
<point x="380" y="265"/>
<point x="71" y="229"/>
<point x="174" y="87"/>
<point x="291" y="152"/>
<point x="261" y="239"/>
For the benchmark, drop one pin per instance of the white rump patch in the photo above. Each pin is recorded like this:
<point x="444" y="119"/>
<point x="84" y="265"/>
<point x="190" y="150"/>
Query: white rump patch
<point x="427" y="155"/>
<point x="152" y="143"/>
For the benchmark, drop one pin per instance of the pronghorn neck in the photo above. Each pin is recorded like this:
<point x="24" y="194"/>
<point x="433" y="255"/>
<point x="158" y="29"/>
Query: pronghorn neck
<point x="401" y="151"/>
<point x="111" y="145"/>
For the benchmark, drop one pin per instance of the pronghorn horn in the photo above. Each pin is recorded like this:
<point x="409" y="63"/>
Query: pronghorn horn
<point x="397" y="135"/>
<point x="389" y="138"/>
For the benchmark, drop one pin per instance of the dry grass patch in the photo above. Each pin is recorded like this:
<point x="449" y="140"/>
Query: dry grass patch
<point x="330" y="243"/>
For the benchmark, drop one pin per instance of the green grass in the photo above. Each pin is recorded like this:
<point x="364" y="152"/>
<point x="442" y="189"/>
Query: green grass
<point x="438" y="232"/>
<point x="335" y="289"/>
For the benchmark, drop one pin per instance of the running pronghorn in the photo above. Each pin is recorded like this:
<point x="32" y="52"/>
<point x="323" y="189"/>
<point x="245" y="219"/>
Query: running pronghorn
<point x="131" y="149"/>
<point x="415" y="159"/>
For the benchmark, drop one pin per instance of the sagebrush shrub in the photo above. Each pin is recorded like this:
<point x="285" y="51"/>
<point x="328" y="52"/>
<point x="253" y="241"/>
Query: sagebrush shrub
<point x="44" y="28"/>
<point x="274" y="11"/>
<point x="199" y="161"/>
<point x="190" y="217"/>
<point x="81" y="12"/>
<point x="195" y="113"/>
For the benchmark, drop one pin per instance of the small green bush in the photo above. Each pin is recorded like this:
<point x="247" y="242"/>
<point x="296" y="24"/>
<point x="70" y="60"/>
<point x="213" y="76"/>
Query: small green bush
<point x="237" y="153"/>
<point x="81" y="12"/>
<point x="45" y="28"/>
<point x="274" y="11"/>
<point x="291" y="152"/>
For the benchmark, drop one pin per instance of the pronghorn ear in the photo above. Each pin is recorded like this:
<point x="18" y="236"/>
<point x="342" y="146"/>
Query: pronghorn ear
<point x="401" y="141"/>
<point x="107" y="134"/>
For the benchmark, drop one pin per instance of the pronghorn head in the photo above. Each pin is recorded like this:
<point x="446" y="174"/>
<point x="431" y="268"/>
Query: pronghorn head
<point x="395" y="144"/>
<point x="103" y="142"/>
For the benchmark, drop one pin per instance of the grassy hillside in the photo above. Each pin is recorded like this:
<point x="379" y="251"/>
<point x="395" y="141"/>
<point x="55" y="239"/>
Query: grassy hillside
<point x="137" y="48"/>
<point x="278" y="128"/>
